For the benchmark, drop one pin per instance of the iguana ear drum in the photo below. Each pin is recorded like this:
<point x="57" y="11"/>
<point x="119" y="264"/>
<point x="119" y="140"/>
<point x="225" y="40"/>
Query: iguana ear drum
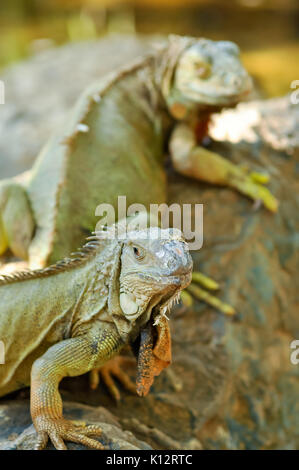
<point x="154" y="354"/>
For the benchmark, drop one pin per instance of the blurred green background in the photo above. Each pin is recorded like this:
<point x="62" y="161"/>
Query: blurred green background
<point x="266" y="30"/>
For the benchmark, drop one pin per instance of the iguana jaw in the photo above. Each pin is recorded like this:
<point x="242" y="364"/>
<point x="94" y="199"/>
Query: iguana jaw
<point x="157" y="306"/>
<point x="154" y="264"/>
<point x="147" y="314"/>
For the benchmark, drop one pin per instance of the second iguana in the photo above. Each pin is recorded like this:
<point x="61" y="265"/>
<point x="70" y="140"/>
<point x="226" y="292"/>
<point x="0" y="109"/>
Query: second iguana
<point x="115" y="142"/>
<point x="72" y="317"/>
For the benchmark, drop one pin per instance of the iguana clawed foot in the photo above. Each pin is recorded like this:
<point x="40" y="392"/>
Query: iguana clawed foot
<point x="252" y="184"/>
<point x="60" y="430"/>
<point x="197" y="162"/>
<point x="114" y="369"/>
<point x="203" y="295"/>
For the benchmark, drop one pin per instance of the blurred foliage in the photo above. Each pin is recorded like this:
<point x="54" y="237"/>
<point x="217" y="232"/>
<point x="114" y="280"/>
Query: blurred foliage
<point x="274" y="68"/>
<point x="267" y="31"/>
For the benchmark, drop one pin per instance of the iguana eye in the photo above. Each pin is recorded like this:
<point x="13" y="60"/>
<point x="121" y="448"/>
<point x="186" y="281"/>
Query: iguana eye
<point x="203" y="69"/>
<point x="138" y="252"/>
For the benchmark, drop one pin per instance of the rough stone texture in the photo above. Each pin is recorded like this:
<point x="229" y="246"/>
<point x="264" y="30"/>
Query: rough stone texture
<point x="232" y="384"/>
<point x="17" y="432"/>
<point x="274" y="121"/>
<point x="254" y="255"/>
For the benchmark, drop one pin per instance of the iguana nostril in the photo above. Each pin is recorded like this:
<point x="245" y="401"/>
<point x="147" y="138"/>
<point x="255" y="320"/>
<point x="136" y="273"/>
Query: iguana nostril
<point x="236" y="82"/>
<point x="180" y="264"/>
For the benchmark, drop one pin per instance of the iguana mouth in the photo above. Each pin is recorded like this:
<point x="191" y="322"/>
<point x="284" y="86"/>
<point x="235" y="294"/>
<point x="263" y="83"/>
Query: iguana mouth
<point x="181" y="279"/>
<point x="178" y="280"/>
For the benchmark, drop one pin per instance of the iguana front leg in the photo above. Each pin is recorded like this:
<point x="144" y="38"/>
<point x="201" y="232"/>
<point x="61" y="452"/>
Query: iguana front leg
<point x="197" y="162"/>
<point x="70" y="357"/>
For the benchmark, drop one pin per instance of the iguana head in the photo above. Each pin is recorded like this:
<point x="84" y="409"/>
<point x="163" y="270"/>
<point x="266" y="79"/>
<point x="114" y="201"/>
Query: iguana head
<point x="144" y="271"/>
<point x="155" y="267"/>
<point x="205" y="73"/>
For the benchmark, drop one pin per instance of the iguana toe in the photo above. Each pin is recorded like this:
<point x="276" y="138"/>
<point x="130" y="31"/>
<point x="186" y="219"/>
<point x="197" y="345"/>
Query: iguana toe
<point x="203" y="295"/>
<point x="41" y="440"/>
<point x="114" y="369"/>
<point x="206" y="297"/>
<point x="251" y="187"/>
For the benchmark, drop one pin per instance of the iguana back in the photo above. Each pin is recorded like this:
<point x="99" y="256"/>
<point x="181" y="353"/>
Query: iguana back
<point x="115" y="137"/>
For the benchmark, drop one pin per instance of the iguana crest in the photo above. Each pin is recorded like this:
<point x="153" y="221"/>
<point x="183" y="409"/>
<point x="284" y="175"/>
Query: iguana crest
<point x="90" y="249"/>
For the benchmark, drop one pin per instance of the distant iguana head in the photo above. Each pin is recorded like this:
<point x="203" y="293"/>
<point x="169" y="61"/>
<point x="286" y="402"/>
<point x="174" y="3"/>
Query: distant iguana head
<point x="155" y="267"/>
<point x="204" y="73"/>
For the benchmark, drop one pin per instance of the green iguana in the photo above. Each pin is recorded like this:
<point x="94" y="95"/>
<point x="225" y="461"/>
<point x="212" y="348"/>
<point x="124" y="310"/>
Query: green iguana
<point x="115" y="143"/>
<point x="74" y="316"/>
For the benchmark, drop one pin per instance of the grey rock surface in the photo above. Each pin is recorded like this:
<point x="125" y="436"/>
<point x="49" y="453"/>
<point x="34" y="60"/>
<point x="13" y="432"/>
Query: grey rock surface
<point x="274" y="121"/>
<point x="17" y="432"/>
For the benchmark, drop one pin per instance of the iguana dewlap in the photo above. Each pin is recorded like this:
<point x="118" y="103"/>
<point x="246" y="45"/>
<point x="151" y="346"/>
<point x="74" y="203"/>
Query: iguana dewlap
<point x="114" y="143"/>
<point x="74" y="316"/>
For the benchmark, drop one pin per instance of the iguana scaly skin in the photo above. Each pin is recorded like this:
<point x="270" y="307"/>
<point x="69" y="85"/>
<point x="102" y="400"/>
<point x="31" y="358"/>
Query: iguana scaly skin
<point x="74" y="316"/>
<point x="115" y="142"/>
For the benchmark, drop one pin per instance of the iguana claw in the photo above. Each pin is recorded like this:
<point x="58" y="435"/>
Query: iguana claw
<point x="114" y="369"/>
<point x="60" y="430"/>
<point x="252" y="185"/>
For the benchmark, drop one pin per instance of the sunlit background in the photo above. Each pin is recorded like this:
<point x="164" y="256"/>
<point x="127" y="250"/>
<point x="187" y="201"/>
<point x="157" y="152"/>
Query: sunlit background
<point x="266" y="30"/>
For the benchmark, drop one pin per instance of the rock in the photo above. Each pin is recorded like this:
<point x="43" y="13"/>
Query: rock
<point x="17" y="432"/>
<point x="274" y="121"/>
<point x="238" y="388"/>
